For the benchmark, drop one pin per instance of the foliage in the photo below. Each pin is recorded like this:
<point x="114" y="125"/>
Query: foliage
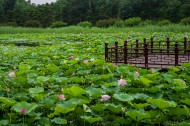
<point x="132" y="21"/>
<point x="147" y="22"/>
<point x="185" y="21"/>
<point x="76" y="11"/>
<point x="163" y="22"/>
<point x="119" y="23"/>
<point x="105" y="23"/>
<point x="9" y="24"/>
<point x="85" y="24"/>
<point x="58" y="24"/>
<point x="73" y="67"/>
<point x="32" y="23"/>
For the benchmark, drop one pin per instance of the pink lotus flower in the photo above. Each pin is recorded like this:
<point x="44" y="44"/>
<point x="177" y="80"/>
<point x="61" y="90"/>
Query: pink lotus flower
<point x="23" y="111"/>
<point x="12" y="74"/>
<point x="137" y="74"/>
<point x="61" y="97"/>
<point x="71" y="57"/>
<point x="85" y="61"/>
<point x="122" y="82"/>
<point x="105" y="97"/>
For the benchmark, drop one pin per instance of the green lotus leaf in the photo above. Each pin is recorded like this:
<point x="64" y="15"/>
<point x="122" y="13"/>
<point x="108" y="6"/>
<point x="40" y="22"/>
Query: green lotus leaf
<point x="90" y="119"/>
<point x="62" y="80"/>
<point x="4" y="122"/>
<point x="122" y="120"/>
<point x="83" y="72"/>
<point x="179" y="82"/>
<point x="65" y="107"/>
<point x="29" y="106"/>
<point x="153" y="113"/>
<point x="123" y="97"/>
<point x="184" y="123"/>
<point x="80" y="101"/>
<point x="36" y="90"/>
<point x="145" y="81"/>
<point x="44" y="121"/>
<point x="186" y="101"/>
<point x="111" y="89"/>
<point x="138" y="115"/>
<point x="42" y="79"/>
<point x="7" y="102"/>
<point x="77" y="79"/>
<point x="74" y="91"/>
<point x="154" y="89"/>
<point x="98" y="107"/>
<point x="113" y="108"/>
<point x="140" y="96"/>
<point x="141" y="105"/>
<point x="178" y="111"/>
<point x="59" y="121"/>
<point x="94" y="92"/>
<point x="162" y="104"/>
<point x="52" y="68"/>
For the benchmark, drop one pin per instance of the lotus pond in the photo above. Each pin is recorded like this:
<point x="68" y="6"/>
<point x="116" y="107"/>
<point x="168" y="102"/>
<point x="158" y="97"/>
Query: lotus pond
<point x="69" y="83"/>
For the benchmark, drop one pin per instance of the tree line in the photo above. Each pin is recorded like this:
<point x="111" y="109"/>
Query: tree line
<point x="21" y="12"/>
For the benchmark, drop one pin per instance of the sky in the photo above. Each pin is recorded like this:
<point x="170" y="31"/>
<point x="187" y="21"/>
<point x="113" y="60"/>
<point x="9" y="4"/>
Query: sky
<point x="42" y="1"/>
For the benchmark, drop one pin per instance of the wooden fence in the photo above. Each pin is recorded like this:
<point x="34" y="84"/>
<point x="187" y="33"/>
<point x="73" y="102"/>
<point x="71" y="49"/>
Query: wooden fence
<point x="149" y="54"/>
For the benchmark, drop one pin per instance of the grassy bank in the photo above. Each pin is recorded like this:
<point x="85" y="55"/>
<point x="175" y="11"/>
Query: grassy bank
<point x="77" y="29"/>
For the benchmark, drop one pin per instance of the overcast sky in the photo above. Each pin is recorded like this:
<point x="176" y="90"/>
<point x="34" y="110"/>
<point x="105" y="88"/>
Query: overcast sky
<point x="42" y="1"/>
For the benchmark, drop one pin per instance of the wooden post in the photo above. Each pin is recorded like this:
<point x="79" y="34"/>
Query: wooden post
<point x="125" y="52"/>
<point x="146" y="55"/>
<point x="106" y="51"/>
<point x="151" y="42"/>
<point x="116" y="52"/>
<point x="137" y="48"/>
<point x="168" y="44"/>
<point x="185" y="45"/>
<point x="144" y="45"/>
<point x="144" y="42"/>
<point x="176" y="54"/>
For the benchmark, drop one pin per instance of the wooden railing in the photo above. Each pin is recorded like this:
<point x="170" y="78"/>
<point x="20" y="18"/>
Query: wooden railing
<point x="149" y="54"/>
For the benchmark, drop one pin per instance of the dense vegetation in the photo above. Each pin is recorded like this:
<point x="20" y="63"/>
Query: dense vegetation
<point x="98" y="12"/>
<point x="69" y="83"/>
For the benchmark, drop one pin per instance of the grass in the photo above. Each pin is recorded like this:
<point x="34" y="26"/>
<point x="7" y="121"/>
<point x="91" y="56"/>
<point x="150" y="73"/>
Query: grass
<point x="78" y="29"/>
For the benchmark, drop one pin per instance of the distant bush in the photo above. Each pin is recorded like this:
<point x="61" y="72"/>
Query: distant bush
<point x="147" y="22"/>
<point x="58" y="24"/>
<point x="85" y="24"/>
<point x="185" y="21"/>
<point x="119" y="23"/>
<point x="163" y="22"/>
<point x="32" y="23"/>
<point x="132" y="21"/>
<point x="9" y="24"/>
<point x="105" y="23"/>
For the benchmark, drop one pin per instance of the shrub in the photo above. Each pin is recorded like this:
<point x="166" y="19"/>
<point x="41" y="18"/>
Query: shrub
<point x="185" y="21"/>
<point x="105" y="23"/>
<point x="147" y="22"/>
<point x="132" y="21"/>
<point x="32" y="23"/>
<point x="163" y="22"/>
<point x="119" y="23"/>
<point x="9" y="24"/>
<point x="58" y="24"/>
<point x="85" y="24"/>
